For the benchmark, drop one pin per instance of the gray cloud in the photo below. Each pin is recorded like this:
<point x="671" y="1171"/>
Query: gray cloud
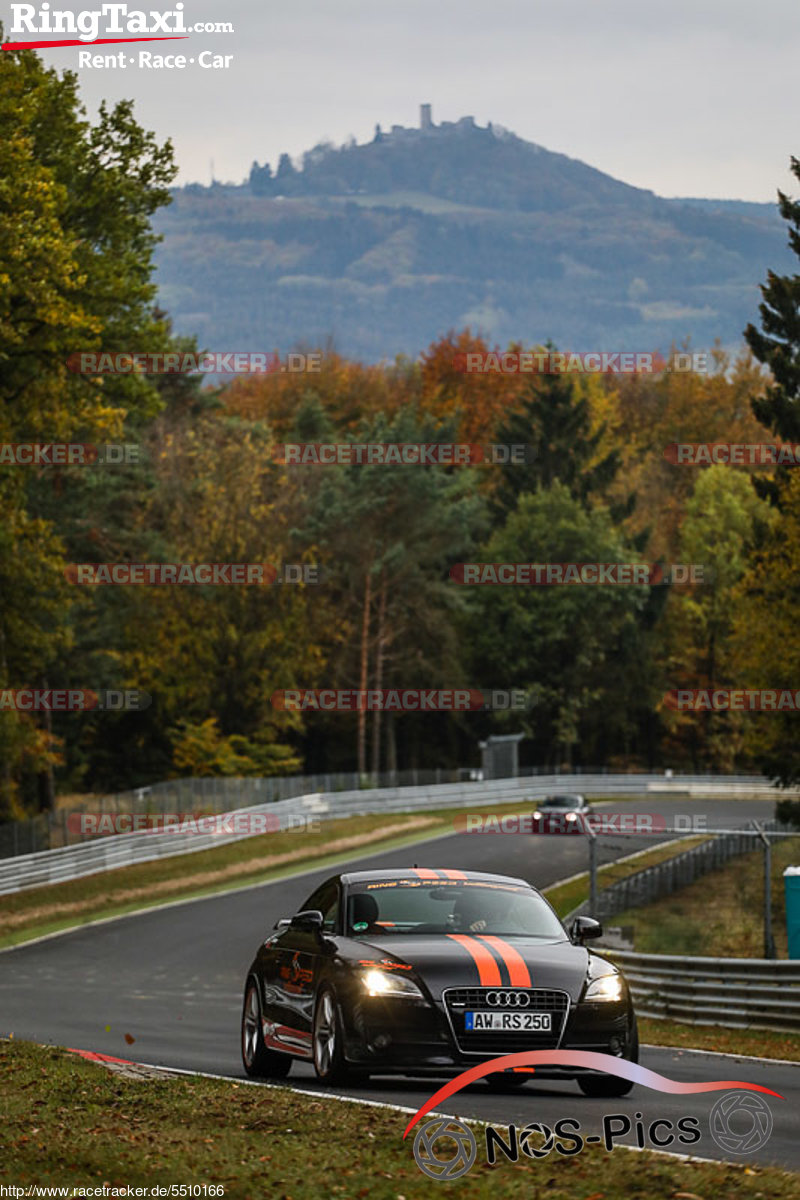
<point x="694" y="97"/>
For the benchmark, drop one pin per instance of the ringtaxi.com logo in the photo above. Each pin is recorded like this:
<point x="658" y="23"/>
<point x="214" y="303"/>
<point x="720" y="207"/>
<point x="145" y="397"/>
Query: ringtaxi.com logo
<point x="119" y="25"/>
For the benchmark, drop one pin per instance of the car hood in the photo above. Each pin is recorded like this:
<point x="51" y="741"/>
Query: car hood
<point x="443" y="961"/>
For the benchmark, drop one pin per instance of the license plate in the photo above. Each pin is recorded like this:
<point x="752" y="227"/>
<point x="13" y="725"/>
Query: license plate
<point x="511" y="1022"/>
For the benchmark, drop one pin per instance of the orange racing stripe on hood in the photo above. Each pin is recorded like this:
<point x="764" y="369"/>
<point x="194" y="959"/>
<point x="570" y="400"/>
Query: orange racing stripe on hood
<point x="488" y="970"/>
<point x="518" y="973"/>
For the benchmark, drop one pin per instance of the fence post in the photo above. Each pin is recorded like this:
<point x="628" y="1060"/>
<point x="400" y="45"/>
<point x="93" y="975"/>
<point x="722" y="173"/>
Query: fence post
<point x="769" y="941"/>
<point x="592" y="871"/>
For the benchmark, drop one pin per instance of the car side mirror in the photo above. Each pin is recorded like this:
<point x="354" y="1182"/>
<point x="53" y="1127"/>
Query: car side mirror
<point x="309" y="921"/>
<point x="282" y="923"/>
<point x="584" y="928"/>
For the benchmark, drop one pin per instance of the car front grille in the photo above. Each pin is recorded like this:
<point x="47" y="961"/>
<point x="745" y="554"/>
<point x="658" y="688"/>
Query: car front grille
<point x="457" y="1001"/>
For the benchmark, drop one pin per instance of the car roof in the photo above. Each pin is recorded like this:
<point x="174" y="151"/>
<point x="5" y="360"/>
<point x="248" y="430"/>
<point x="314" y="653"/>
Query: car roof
<point x="441" y="873"/>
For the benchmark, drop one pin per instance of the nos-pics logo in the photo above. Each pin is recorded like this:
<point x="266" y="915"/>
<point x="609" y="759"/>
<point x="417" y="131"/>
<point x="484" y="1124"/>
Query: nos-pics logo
<point x="445" y="1148"/>
<point x="459" y="1142"/>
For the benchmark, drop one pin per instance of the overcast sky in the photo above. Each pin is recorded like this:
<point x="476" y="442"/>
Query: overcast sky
<point x="685" y="97"/>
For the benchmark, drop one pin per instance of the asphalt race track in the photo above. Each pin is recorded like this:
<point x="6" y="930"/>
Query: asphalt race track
<point x="172" y="979"/>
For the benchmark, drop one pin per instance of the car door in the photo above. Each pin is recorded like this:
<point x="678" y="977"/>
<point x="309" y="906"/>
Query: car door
<point x="296" y="958"/>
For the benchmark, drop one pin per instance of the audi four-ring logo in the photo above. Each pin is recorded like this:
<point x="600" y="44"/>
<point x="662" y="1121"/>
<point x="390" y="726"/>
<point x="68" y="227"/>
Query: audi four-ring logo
<point x="508" y="999"/>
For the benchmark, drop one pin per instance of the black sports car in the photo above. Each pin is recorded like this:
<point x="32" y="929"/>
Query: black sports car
<point x="555" y="814"/>
<point x="423" y="972"/>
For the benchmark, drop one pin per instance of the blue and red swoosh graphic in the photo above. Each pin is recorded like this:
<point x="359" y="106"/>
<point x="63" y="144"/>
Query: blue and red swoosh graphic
<point x="591" y="1059"/>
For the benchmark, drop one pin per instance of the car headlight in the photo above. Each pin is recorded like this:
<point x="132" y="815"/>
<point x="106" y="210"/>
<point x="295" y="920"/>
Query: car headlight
<point x="571" y="816"/>
<point x="608" y="987"/>
<point x="537" y="816"/>
<point x="387" y="983"/>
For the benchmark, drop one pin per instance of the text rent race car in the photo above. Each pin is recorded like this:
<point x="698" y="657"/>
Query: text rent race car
<point x="423" y="972"/>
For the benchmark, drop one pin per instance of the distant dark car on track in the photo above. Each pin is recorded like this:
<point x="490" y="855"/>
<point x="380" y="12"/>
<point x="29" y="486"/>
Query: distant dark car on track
<point x="556" y="813"/>
<point x="427" y="972"/>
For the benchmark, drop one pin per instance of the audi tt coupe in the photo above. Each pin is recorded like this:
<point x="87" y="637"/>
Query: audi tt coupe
<point x="427" y="972"/>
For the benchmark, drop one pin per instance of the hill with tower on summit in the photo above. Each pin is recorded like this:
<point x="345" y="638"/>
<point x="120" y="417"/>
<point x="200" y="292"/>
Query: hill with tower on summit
<point x="382" y="247"/>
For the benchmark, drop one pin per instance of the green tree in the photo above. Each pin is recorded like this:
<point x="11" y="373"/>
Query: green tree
<point x="560" y="642"/>
<point x="777" y="343"/>
<point x="390" y="533"/>
<point x="75" y="274"/>
<point x="765" y="649"/>
<point x="553" y="417"/>
<point x="724" y="521"/>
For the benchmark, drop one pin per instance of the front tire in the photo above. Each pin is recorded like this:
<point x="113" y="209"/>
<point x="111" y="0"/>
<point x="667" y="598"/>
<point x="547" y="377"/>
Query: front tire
<point x="327" y="1040"/>
<point x="612" y="1085"/>
<point x="259" y="1062"/>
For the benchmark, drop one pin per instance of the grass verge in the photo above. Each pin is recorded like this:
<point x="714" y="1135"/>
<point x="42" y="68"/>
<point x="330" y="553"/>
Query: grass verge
<point x="252" y="860"/>
<point x="733" y="925"/>
<point x="66" y="1122"/>
<point x="685" y="923"/>
<point x="759" y="1043"/>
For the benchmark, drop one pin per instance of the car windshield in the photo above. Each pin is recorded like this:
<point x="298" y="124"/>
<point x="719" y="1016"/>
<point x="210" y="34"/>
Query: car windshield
<point x="561" y="802"/>
<point x="409" y="906"/>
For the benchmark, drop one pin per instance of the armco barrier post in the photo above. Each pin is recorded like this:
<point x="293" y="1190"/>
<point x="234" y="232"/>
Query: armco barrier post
<point x="791" y="884"/>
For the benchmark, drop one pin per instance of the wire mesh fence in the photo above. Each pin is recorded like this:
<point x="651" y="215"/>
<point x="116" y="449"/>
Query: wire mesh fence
<point x="675" y="872"/>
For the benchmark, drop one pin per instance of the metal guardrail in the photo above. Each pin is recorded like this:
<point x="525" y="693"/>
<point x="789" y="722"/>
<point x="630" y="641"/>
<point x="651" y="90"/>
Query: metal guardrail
<point x="223" y="794"/>
<point x="212" y="795"/>
<point x="119" y="850"/>
<point x="738" y="993"/>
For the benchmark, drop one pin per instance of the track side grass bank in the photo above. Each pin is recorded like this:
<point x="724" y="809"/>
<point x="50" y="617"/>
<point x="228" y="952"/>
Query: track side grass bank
<point x="66" y="1122"/>
<point x="730" y="927"/>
